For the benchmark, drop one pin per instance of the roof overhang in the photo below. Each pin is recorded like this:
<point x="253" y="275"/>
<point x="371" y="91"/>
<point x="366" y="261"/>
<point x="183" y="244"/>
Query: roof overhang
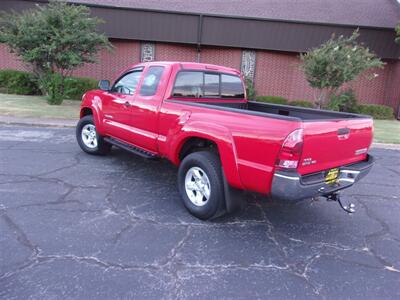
<point x="225" y="31"/>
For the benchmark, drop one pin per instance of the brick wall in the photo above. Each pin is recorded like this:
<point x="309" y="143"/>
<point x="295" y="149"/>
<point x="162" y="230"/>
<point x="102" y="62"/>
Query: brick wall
<point x="229" y="57"/>
<point x="9" y="60"/>
<point x="279" y="74"/>
<point x="110" y="64"/>
<point x="174" y="52"/>
<point x="392" y="95"/>
<point x="276" y="73"/>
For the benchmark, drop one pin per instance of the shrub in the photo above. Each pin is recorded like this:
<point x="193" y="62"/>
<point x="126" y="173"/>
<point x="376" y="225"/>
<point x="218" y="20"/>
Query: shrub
<point x="302" y="103"/>
<point x="250" y="90"/>
<point x="376" y="111"/>
<point x="335" y="62"/>
<point x="75" y="87"/>
<point x="345" y="101"/>
<point x="53" y="38"/>
<point x="52" y="83"/>
<point x="18" y="82"/>
<point x="272" y="99"/>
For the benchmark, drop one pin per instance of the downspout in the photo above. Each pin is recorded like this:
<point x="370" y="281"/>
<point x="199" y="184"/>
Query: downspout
<point x="199" y="34"/>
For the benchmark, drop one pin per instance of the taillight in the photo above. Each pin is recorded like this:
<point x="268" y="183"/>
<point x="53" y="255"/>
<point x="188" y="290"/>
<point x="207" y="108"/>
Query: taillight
<point x="290" y="153"/>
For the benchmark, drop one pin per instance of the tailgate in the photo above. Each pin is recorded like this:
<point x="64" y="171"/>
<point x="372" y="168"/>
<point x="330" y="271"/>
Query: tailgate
<point x="333" y="143"/>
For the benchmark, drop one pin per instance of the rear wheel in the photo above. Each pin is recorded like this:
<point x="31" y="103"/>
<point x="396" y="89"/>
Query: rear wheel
<point x="201" y="186"/>
<point x="88" y="138"/>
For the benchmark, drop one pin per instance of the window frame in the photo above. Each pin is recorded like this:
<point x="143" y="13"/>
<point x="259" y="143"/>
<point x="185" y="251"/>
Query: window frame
<point x="202" y="87"/>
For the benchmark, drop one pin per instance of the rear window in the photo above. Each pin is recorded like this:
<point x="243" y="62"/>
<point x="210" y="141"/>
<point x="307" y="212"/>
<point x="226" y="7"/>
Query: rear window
<point x="211" y="85"/>
<point x="198" y="84"/>
<point x="231" y="87"/>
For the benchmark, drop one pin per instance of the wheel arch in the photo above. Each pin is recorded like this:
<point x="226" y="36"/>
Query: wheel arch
<point x="195" y="144"/>
<point x="85" y="111"/>
<point x="223" y="146"/>
<point x="92" y="111"/>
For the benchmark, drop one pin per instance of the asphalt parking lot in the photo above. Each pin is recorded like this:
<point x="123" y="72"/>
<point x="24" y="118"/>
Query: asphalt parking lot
<point x="77" y="226"/>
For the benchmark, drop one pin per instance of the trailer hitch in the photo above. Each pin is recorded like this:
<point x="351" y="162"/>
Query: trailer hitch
<point x="336" y="197"/>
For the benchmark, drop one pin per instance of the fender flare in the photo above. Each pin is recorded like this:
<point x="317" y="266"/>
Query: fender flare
<point x="94" y="104"/>
<point x="215" y="133"/>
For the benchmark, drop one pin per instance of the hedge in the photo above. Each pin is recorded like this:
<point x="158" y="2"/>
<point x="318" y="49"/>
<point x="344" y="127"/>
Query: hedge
<point x="377" y="111"/>
<point x="18" y="82"/>
<point x="24" y="83"/>
<point x="75" y="87"/>
<point x="302" y="103"/>
<point x="272" y="99"/>
<point x="346" y="101"/>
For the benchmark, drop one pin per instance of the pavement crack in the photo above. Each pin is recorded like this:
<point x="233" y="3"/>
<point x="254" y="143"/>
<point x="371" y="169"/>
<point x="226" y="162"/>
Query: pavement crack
<point x="74" y="164"/>
<point x="117" y="237"/>
<point x="21" y="236"/>
<point x="378" y="234"/>
<point x="175" y="250"/>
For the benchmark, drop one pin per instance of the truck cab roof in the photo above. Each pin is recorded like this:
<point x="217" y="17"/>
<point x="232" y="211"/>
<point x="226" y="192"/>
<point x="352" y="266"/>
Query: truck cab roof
<point x="189" y="65"/>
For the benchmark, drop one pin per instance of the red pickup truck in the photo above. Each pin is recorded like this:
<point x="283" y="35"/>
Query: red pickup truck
<point x="197" y="116"/>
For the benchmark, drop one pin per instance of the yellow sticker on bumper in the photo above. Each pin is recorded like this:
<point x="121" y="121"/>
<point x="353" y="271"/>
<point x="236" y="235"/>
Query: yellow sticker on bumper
<point x="331" y="176"/>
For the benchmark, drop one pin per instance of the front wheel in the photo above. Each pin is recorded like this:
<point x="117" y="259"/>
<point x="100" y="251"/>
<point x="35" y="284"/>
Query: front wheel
<point x="201" y="186"/>
<point x="88" y="138"/>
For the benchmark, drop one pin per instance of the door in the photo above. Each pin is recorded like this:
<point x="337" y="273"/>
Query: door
<point x="117" y="105"/>
<point x="145" y="107"/>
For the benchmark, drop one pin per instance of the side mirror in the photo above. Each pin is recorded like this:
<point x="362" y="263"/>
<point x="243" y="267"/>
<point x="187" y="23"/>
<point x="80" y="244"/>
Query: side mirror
<point x="104" y="85"/>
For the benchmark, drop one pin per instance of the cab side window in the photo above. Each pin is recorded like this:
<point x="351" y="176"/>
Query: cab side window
<point x="189" y="84"/>
<point x="200" y="84"/>
<point x="151" y="81"/>
<point x="127" y="84"/>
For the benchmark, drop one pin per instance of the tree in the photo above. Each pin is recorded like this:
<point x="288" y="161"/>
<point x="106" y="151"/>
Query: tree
<point x="54" y="39"/>
<point x="337" y="61"/>
<point x="397" y="29"/>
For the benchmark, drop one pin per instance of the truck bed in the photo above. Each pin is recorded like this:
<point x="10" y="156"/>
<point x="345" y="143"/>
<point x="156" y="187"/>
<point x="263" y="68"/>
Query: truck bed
<point x="301" y="113"/>
<point x="280" y="111"/>
<point x="331" y="139"/>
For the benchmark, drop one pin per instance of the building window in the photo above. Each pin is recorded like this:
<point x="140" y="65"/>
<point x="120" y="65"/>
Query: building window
<point x="248" y="64"/>
<point x="147" y="52"/>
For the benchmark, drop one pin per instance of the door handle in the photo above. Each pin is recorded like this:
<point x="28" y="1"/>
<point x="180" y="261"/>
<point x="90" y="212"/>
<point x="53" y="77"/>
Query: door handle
<point x="343" y="133"/>
<point x="127" y="104"/>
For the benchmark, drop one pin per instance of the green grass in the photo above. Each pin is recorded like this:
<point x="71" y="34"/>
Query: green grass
<point x="387" y="131"/>
<point x="37" y="107"/>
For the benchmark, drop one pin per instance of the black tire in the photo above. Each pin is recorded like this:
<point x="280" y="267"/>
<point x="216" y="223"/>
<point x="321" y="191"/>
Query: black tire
<point x="210" y="164"/>
<point x="102" y="147"/>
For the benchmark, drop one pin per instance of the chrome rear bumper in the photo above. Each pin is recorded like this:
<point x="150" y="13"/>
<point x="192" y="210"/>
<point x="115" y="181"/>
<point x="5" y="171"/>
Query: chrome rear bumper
<point x="294" y="187"/>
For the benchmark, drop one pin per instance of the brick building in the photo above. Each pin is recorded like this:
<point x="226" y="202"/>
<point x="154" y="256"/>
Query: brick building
<point x="263" y="38"/>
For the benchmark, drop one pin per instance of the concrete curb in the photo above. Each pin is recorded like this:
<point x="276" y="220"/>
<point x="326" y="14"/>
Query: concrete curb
<point x="386" y="146"/>
<point x="39" y="122"/>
